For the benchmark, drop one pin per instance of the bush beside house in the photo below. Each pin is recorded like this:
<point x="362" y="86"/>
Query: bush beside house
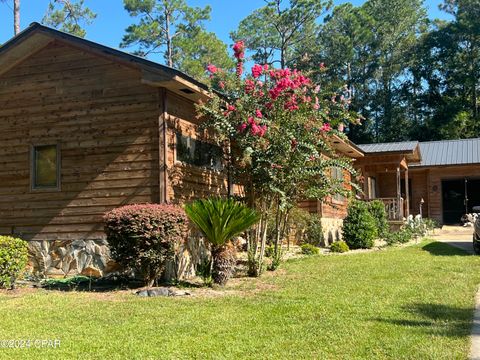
<point x="144" y="237"/>
<point x="377" y="209"/>
<point x="339" y="247"/>
<point x="13" y="259"/>
<point x="359" y="227"/>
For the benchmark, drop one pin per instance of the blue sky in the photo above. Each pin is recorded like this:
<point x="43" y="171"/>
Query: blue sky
<point x="112" y="19"/>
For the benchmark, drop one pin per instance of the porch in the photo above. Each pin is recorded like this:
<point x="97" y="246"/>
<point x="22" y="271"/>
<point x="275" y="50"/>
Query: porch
<point x="385" y="177"/>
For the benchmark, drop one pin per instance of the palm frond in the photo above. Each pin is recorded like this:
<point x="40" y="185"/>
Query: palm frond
<point x="221" y="219"/>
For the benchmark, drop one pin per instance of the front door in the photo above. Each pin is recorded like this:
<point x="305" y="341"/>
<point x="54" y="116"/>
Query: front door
<point x="453" y="199"/>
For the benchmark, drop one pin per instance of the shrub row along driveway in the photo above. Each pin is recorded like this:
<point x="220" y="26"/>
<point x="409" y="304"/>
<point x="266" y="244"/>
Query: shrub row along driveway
<point x="414" y="302"/>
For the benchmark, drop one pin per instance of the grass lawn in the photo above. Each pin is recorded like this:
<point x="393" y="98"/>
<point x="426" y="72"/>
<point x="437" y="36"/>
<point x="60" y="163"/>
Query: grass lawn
<point x="402" y="303"/>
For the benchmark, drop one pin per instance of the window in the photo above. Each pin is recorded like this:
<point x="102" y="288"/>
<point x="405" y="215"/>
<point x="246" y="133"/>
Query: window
<point x="198" y="153"/>
<point x="45" y="167"/>
<point x="337" y="175"/>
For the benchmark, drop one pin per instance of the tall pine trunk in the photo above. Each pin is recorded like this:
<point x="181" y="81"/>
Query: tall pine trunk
<point x="16" y="16"/>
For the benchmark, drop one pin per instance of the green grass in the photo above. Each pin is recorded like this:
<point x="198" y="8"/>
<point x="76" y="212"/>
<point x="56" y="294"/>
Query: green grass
<point x="403" y="303"/>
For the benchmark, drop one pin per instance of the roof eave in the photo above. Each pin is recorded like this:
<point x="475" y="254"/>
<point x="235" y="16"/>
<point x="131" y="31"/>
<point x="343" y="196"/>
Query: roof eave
<point x="346" y="147"/>
<point x="153" y="74"/>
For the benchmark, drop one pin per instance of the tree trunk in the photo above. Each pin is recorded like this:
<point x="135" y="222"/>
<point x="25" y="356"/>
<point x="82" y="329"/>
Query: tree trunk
<point x="169" y="39"/>
<point x="223" y="264"/>
<point x="16" y="16"/>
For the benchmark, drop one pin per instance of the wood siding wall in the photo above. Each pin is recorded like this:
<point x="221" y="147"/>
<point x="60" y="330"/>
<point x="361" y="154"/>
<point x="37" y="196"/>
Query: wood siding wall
<point x="427" y="184"/>
<point x="106" y="123"/>
<point x="329" y="207"/>
<point x="434" y="184"/>
<point x="419" y="180"/>
<point x="187" y="182"/>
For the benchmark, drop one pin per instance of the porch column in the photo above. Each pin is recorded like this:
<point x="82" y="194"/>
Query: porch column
<point x="407" y="194"/>
<point x="399" y="196"/>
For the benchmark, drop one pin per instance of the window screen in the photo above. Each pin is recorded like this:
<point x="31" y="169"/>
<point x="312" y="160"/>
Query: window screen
<point x="198" y="153"/>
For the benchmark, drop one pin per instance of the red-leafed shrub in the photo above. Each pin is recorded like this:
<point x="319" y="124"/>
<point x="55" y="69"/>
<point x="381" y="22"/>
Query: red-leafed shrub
<point x="143" y="237"/>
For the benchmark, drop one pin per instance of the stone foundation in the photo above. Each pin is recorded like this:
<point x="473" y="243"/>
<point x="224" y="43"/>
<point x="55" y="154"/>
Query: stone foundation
<point x="332" y="230"/>
<point x="54" y="258"/>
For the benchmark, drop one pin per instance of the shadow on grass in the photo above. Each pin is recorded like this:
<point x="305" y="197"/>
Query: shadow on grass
<point x="85" y="283"/>
<point x="436" y="319"/>
<point x="442" y="249"/>
<point x="107" y="284"/>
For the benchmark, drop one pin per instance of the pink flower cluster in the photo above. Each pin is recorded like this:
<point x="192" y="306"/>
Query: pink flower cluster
<point x="326" y="127"/>
<point x="239" y="53"/>
<point x="230" y="109"/>
<point x="239" y="50"/>
<point x="291" y="104"/>
<point x="249" y="86"/>
<point x="286" y="81"/>
<point x="212" y="69"/>
<point x="258" y="70"/>
<point x="255" y="129"/>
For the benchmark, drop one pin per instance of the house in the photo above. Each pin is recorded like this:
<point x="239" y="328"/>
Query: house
<point x="333" y="209"/>
<point x="85" y="128"/>
<point x="438" y="179"/>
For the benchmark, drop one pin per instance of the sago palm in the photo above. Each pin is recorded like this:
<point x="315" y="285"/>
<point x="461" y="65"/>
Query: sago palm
<point x="220" y="220"/>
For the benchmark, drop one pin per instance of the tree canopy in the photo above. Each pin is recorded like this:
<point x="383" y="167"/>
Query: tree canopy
<point x="176" y="30"/>
<point x="69" y="16"/>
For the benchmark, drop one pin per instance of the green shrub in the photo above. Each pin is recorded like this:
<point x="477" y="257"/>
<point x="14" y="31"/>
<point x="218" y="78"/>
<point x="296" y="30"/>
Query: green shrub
<point x="13" y="259"/>
<point x="309" y="249"/>
<point x="339" y="247"/>
<point x="377" y="209"/>
<point x="430" y="224"/>
<point x="276" y="260"/>
<point x="297" y="224"/>
<point x="402" y="236"/>
<point x="269" y="250"/>
<point x="314" y="232"/>
<point x="359" y="227"/>
<point x="144" y="237"/>
<point x="204" y="270"/>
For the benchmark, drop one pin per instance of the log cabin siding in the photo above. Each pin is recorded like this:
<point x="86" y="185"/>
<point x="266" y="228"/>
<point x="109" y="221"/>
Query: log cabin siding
<point x="106" y="124"/>
<point x="426" y="184"/>
<point x="434" y="185"/>
<point x="187" y="182"/>
<point x="419" y="181"/>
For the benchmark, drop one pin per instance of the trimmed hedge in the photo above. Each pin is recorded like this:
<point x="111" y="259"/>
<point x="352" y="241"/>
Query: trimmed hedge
<point x="359" y="227"/>
<point x="143" y="237"/>
<point x="377" y="209"/>
<point x="314" y="232"/>
<point x="13" y="259"/>
<point x="339" y="247"/>
<point x="309" y="249"/>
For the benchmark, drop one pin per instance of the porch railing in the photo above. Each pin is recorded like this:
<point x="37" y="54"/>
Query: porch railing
<point x="393" y="208"/>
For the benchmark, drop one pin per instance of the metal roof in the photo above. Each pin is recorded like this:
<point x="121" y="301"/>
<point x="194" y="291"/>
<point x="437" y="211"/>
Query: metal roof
<point x="450" y="152"/>
<point x="433" y="153"/>
<point x="406" y="146"/>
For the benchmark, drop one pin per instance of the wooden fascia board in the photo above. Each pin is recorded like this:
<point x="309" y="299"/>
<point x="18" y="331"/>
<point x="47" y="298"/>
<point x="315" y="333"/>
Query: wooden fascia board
<point x="345" y="147"/>
<point x="173" y="83"/>
<point x="21" y="51"/>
